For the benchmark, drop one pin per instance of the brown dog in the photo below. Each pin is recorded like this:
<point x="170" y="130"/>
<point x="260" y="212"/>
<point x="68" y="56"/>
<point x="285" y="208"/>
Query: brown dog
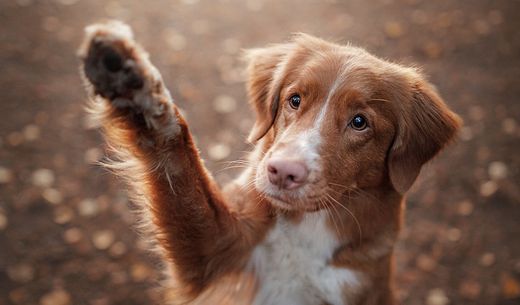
<point x="340" y="137"/>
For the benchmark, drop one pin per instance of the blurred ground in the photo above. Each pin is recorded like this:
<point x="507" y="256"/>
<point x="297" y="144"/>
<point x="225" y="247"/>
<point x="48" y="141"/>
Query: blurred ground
<point x="66" y="234"/>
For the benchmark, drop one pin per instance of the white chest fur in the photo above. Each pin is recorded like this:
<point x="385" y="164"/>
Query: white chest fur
<point x="292" y="265"/>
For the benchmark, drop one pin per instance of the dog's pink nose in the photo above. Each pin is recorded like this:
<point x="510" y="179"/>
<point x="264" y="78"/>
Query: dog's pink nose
<point x="287" y="174"/>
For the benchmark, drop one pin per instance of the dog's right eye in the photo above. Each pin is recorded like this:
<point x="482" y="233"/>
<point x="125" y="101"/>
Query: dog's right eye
<point x="359" y="122"/>
<point x="294" y="101"/>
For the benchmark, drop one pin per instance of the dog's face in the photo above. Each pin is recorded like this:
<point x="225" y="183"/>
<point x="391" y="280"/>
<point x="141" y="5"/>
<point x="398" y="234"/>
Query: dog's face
<point x="332" y="119"/>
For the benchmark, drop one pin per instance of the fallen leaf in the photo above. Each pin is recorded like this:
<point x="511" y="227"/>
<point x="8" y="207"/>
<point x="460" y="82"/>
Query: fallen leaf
<point x="470" y="289"/>
<point x="224" y="104"/>
<point x="487" y="259"/>
<point x="21" y="273"/>
<point x="465" y="208"/>
<point x="3" y="221"/>
<point x="72" y="235"/>
<point x="63" y="215"/>
<point x="31" y="132"/>
<point x="6" y="175"/>
<point x="510" y="286"/>
<point x="88" y="207"/>
<point x="497" y="170"/>
<point x="43" y="177"/>
<point x="52" y="195"/>
<point x="56" y="297"/>
<point x="437" y="297"/>
<point x="140" y="272"/>
<point x="103" y="239"/>
<point x="426" y="263"/>
<point x="219" y="151"/>
<point x="488" y="188"/>
<point x="394" y="29"/>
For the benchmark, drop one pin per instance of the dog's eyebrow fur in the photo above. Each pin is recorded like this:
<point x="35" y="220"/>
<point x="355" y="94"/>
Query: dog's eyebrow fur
<point x="379" y="100"/>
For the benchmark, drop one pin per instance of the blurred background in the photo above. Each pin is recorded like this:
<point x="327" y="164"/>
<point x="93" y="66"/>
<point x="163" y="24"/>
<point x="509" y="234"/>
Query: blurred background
<point x="66" y="234"/>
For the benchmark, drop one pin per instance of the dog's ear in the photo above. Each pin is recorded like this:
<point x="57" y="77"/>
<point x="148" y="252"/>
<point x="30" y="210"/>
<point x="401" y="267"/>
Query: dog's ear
<point x="425" y="126"/>
<point x="264" y="68"/>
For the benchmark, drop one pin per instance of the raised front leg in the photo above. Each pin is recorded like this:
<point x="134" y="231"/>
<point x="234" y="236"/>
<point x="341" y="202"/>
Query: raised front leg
<point x="200" y="237"/>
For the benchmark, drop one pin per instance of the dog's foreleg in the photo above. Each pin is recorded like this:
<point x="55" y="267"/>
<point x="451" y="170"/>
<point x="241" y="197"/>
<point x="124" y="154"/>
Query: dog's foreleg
<point x="200" y="237"/>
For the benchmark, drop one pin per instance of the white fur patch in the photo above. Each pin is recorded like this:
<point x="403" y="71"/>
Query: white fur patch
<point x="308" y="143"/>
<point x="337" y="82"/>
<point x="292" y="265"/>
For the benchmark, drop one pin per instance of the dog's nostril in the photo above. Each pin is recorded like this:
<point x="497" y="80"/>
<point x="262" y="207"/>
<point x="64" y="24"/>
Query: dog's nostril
<point x="287" y="174"/>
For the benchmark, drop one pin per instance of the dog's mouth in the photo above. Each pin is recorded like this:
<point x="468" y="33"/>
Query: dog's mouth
<point x="308" y="204"/>
<point x="307" y="199"/>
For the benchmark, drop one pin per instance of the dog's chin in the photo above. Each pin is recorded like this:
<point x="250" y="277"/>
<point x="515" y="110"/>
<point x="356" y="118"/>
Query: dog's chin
<point x="293" y="204"/>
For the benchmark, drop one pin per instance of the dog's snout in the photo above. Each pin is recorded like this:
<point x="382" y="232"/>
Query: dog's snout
<point x="287" y="174"/>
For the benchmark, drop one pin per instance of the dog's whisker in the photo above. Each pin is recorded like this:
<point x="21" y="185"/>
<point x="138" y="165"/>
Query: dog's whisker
<point x="340" y="185"/>
<point x="361" y="192"/>
<point x="336" y="211"/>
<point x="327" y="208"/>
<point x="355" y="190"/>
<point x="338" y="192"/>
<point x="260" y="198"/>
<point x="244" y="166"/>
<point x="237" y="161"/>
<point x="351" y="214"/>
<point x="230" y="167"/>
<point x="250" y="186"/>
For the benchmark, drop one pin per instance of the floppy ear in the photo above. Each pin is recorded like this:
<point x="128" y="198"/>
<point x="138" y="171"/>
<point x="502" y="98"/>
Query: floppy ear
<point x="426" y="125"/>
<point x="264" y="67"/>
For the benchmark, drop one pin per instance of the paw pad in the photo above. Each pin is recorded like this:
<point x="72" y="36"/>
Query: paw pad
<point x="110" y="61"/>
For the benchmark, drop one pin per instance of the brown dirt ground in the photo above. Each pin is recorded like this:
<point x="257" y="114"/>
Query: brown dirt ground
<point x="65" y="227"/>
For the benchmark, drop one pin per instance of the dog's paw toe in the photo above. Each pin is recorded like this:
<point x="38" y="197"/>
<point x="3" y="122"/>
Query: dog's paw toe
<point x="112" y="60"/>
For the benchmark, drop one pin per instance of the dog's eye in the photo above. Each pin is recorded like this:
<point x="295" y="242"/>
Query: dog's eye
<point x="294" y="101"/>
<point x="358" y="122"/>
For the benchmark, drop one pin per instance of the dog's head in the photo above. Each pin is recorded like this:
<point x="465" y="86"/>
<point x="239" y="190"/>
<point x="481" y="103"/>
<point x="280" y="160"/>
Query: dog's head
<point x="332" y="118"/>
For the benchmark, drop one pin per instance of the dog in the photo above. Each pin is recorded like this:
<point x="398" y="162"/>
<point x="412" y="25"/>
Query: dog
<point x="340" y="136"/>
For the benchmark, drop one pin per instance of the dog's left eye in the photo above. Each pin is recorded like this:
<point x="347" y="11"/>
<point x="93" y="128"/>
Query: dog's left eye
<point x="294" y="101"/>
<point x="359" y="122"/>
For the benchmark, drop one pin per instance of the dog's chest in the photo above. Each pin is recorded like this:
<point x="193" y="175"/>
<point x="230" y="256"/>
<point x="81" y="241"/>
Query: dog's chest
<point x="292" y="265"/>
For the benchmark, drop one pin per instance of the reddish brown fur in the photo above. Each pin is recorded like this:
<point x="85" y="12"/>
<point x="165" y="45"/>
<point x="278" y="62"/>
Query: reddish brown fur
<point x="207" y="235"/>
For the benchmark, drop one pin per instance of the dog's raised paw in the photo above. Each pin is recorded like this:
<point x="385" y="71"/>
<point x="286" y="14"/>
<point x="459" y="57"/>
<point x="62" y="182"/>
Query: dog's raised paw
<point x="112" y="61"/>
<point x="120" y="72"/>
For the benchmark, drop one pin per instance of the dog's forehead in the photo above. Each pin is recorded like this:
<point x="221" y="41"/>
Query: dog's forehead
<point x="343" y="68"/>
